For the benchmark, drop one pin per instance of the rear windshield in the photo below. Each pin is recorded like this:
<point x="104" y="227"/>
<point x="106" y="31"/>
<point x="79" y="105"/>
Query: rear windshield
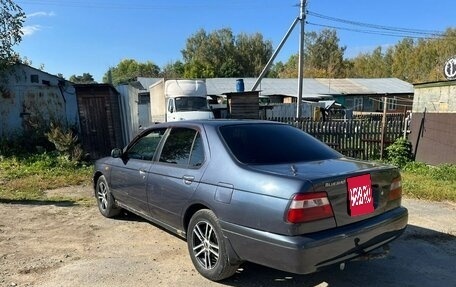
<point x="274" y="144"/>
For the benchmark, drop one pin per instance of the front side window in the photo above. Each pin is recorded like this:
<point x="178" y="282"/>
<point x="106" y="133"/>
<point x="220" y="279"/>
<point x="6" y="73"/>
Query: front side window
<point x="171" y="106"/>
<point x="146" y="146"/>
<point x="183" y="147"/>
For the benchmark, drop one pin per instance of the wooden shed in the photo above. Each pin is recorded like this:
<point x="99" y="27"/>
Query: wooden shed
<point x="100" y="119"/>
<point x="243" y="105"/>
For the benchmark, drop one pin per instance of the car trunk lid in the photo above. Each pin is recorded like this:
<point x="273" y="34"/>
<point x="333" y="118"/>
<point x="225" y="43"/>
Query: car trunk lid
<point x="356" y="189"/>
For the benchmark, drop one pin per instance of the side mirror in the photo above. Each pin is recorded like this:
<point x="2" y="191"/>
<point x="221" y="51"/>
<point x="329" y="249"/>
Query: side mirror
<point x="116" y="153"/>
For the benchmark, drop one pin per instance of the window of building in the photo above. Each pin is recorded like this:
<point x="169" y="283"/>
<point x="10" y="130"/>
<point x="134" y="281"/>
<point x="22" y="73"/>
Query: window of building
<point x="392" y="103"/>
<point x="34" y="79"/>
<point x="358" y="103"/>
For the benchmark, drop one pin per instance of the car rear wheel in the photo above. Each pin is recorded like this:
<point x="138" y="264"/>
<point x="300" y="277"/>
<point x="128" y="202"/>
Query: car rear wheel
<point x="105" y="200"/>
<point x="207" y="248"/>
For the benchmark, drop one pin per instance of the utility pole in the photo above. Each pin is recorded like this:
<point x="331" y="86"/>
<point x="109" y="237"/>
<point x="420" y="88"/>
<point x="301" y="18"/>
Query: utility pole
<point x="302" y="18"/>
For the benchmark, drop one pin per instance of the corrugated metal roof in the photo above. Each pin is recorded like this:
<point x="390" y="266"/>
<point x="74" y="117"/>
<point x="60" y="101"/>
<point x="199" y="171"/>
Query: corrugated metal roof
<point x="312" y="87"/>
<point x="147" y="82"/>
<point x="268" y="86"/>
<point x="378" y="86"/>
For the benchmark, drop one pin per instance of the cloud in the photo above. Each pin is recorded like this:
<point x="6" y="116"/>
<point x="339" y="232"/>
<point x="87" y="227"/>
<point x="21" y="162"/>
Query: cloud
<point x="41" y="14"/>
<point x="30" y="30"/>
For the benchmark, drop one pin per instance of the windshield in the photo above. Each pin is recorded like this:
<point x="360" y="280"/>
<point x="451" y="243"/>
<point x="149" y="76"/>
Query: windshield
<point x="274" y="144"/>
<point x="191" y="104"/>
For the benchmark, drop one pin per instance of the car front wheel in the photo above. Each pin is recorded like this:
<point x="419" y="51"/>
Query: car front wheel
<point x="105" y="200"/>
<point x="207" y="248"/>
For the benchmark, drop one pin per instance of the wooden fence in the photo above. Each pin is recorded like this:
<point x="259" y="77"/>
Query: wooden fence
<point x="354" y="138"/>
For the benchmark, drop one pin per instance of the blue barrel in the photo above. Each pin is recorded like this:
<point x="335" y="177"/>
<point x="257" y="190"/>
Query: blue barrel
<point x="239" y="85"/>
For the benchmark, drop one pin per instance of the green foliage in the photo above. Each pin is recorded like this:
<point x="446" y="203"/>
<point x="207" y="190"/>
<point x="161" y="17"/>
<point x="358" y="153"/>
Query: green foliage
<point x="128" y="70"/>
<point x="444" y="172"/>
<point x="86" y="78"/>
<point x="25" y="142"/>
<point x="173" y="70"/>
<point x="323" y="56"/>
<point x="287" y="70"/>
<point x="400" y="152"/>
<point x="222" y="54"/>
<point x="12" y="18"/>
<point x="65" y="142"/>
<point x="409" y="60"/>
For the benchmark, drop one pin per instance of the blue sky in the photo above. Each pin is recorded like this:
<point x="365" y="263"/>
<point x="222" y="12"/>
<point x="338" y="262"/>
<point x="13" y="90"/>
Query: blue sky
<point x="79" y="36"/>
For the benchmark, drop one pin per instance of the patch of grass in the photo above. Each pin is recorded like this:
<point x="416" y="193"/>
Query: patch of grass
<point x="428" y="182"/>
<point x="27" y="177"/>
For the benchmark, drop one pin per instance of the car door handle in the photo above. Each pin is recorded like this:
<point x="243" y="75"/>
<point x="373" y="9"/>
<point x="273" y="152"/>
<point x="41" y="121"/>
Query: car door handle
<point x="142" y="171"/>
<point x="188" y="179"/>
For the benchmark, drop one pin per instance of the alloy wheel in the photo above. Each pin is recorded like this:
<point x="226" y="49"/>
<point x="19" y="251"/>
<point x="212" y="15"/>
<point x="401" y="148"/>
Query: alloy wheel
<point x="205" y="245"/>
<point x="102" y="194"/>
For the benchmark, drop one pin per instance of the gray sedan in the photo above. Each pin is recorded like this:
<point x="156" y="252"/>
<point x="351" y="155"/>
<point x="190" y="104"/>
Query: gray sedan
<point x="258" y="191"/>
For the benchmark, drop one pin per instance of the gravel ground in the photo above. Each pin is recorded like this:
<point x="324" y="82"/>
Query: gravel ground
<point x="42" y="244"/>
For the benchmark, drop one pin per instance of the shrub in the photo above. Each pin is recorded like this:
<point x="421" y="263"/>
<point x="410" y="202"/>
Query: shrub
<point x="399" y="153"/>
<point x="65" y="142"/>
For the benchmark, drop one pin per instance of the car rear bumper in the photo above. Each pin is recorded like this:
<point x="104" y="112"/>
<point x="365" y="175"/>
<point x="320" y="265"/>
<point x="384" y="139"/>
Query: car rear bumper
<point x="311" y="252"/>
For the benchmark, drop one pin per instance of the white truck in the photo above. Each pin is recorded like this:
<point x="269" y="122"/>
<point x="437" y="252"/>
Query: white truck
<point x="176" y="100"/>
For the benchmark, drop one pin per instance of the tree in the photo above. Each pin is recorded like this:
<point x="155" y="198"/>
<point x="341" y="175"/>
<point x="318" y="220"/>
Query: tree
<point x="128" y="70"/>
<point x="11" y="20"/>
<point x="287" y="70"/>
<point x="173" y="70"/>
<point x="253" y="53"/>
<point x="86" y="78"/>
<point x="221" y="54"/>
<point x="323" y="57"/>
<point x="411" y="60"/>
<point x="374" y="65"/>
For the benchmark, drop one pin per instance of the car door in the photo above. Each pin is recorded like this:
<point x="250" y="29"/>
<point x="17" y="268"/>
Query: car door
<point x="129" y="175"/>
<point x="175" y="176"/>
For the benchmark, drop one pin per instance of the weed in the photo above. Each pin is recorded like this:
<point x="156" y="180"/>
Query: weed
<point x="27" y="177"/>
<point x="429" y="182"/>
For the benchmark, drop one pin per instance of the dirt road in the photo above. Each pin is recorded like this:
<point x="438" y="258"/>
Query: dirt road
<point x="67" y="245"/>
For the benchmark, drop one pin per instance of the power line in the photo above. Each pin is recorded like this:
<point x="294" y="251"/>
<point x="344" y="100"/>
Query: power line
<point x="374" y="32"/>
<point x="378" y="27"/>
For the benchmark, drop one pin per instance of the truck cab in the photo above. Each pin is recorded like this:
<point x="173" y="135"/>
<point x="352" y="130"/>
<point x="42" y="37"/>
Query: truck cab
<point x="187" y="108"/>
<point x="179" y="99"/>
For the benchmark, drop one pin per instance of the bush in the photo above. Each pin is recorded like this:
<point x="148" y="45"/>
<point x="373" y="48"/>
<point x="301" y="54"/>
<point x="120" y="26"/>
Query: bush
<point x="399" y="153"/>
<point x="65" y="142"/>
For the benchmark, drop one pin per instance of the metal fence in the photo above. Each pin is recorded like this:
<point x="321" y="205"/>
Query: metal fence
<point x="358" y="138"/>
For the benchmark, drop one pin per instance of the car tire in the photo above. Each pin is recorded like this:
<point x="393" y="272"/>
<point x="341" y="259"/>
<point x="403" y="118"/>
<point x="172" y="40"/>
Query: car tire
<point x="105" y="200"/>
<point x="207" y="248"/>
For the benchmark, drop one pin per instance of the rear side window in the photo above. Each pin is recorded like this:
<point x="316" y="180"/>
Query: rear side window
<point x="183" y="147"/>
<point x="274" y="144"/>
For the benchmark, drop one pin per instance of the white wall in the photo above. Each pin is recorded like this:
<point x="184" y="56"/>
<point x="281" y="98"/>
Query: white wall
<point x="23" y="101"/>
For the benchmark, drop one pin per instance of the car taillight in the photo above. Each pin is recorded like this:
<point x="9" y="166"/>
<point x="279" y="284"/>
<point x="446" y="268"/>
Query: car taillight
<point x="307" y="207"/>
<point x="395" y="189"/>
